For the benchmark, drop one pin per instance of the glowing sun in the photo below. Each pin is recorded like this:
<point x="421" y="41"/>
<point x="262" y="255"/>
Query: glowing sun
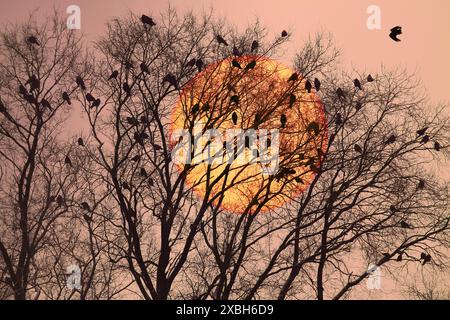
<point x="249" y="94"/>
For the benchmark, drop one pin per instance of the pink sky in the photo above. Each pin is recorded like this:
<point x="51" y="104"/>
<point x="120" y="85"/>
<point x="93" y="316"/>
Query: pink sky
<point x="425" y="46"/>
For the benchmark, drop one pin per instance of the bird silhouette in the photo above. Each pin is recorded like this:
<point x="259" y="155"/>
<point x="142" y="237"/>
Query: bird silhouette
<point x="317" y="84"/>
<point x="422" y="131"/>
<point x="45" y="104"/>
<point x="146" y="20"/>
<point x="80" y="82"/>
<point x="199" y="64"/>
<point x="113" y="75"/>
<point x="426" y="258"/>
<point x="196" y="108"/>
<point x="144" y="68"/>
<point x="284" y="33"/>
<point x="191" y="62"/>
<point x="308" y="86"/>
<point x="370" y="78"/>
<point x="391" y="139"/>
<point x="85" y="206"/>
<point x="126" y="186"/>
<point x="392" y="208"/>
<point x="399" y="257"/>
<point x="234" y="99"/>
<point x="68" y="161"/>
<point x="234" y="117"/>
<point x="395" y="32"/>
<point x="66" y="98"/>
<point x="437" y="146"/>
<point x="221" y="40"/>
<point x="283" y="120"/>
<point x="255" y="46"/>
<point x="151" y="182"/>
<point x="172" y="80"/>
<point x="143" y="172"/>
<point x="293" y="77"/>
<point x="128" y="65"/>
<point x="96" y="103"/>
<point x="80" y="142"/>
<point x="292" y="99"/>
<point x="132" y="121"/>
<point x="23" y="91"/>
<point x="338" y="119"/>
<point x="236" y="52"/>
<point x="298" y="180"/>
<point x="313" y="126"/>
<point x="340" y="93"/>
<point x="425" y="139"/>
<point x="60" y="200"/>
<point x="236" y="64"/>
<point x="357" y="84"/>
<point x="34" y="83"/>
<point x="250" y="65"/>
<point x="33" y="40"/>
<point x="405" y="225"/>
<point x="358" y="148"/>
<point x="126" y="88"/>
<point x="90" y="97"/>
<point x="136" y="158"/>
<point x="358" y="106"/>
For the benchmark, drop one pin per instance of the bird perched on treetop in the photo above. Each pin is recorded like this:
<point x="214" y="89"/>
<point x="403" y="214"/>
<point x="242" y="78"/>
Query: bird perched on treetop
<point x="33" y="40"/>
<point x="221" y="40"/>
<point x="146" y="20"/>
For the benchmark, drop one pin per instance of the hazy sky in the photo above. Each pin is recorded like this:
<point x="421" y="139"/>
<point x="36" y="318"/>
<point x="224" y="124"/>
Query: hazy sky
<point x="425" y="46"/>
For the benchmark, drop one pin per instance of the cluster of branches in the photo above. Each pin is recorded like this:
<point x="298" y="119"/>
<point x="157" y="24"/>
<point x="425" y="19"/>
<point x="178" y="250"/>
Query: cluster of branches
<point x="113" y="202"/>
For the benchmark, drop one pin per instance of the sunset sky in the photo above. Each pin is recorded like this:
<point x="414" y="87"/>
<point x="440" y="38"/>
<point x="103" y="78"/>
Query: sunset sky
<point x="424" y="48"/>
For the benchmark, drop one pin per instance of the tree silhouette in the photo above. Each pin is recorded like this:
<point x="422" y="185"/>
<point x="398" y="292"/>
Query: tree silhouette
<point x="143" y="225"/>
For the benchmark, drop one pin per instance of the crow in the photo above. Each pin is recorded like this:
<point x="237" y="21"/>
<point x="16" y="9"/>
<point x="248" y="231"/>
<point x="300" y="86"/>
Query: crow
<point x="113" y="75"/>
<point x="422" y="131"/>
<point x="317" y="84"/>
<point x="80" y="82"/>
<point x="33" y="40"/>
<point x="308" y="86"/>
<point x="255" y="46"/>
<point x="293" y="77"/>
<point x="437" y="146"/>
<point x="292" y="99"/>
<point x="66" y="98"/>
<point x="251" y="65"/>
<point x="146" y="20"/>
<point x="144" y="68"/>
<point x="283" y="120"/>
<point x="357" y="84"/>
<point x="370" y="78"/>
<point x="221" y="40"/>
<point x="80" y="142"/>
<point x="68" y="161"/>
<point x="236" y="64"/>
<point x="284" y="33"/>
<point x="391" y="139"/>
<point x="358" y="148"/>
<point x="234" y="117"/>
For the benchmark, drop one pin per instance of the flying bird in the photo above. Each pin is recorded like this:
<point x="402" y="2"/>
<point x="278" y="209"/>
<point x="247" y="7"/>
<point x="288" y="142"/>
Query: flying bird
<point x="113" y="75"/>
<point x="221" y="40"/>
<point x="236" y="64"/>
<point x="80" y="82"/>
<point x="284" y="33"/>
<point x="234" y="117"/>
<point x="146" y="20"/>
<point x="317" y="84"/>
<point x="308" y="86"/>
<point x="33" y="40"/>
<point x="395" y="32"/>
<point x="357" y="84"/>
<point x="255" y="46"/>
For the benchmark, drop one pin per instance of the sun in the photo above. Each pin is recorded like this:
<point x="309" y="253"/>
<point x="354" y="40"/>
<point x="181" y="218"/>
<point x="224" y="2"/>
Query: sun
<point x="253" y="133"/>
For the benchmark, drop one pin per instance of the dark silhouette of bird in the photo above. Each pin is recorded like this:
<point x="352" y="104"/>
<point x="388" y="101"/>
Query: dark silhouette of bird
<point x="126" y="186"/>
<point x="113" y="75"/>
<point x="292" y="99"/>
<point x="96" y="103"/>
<point x="395" y="32"/>
<point x="340" y="93"/>
<point x="422" y="131"/>
<point x="399" y="257"/>
<point x="144" y="119"/>
<point x="23" y="91"/>
<point x="68" y="161"/>
<point x="370" y="78"/>
<point x="250" y="65"/>
<point x="143" y="172"/>
<point x="357" y="84"/>
<point x="80" y="142"/>
<point x="196" y="108"/>
<point x="146" y="20"/>
<point x="144" y="68"/>
<point x="393" y="208"/>
<point x="132" y="121"/>
<point x="136" y="158"/>
<point x="234" y="99"/>
<point x="421" y="184"/>
<point x="60" y="200"/>
<point x="386" y="255"/>
<point x="80" y="82"/>
<point x="66" y="98"/>
<point x="221" y="40"/>
<point x="338" y="119"/>
<point x="90" y="97"/>
<point x="234" y="117"/>
<point x="87" y="218"/>
<point x="191" y="62"/>
<point x="308" y="86"/>
<point x="236" y="64"/>
<point x="255" y="46"/>
<point x="30" y="98"/>
<point x="391" y="139"/>
<point x="405" y="225"/>
<point x="283" y="120"/>
<point x="437" y="146"/>
<point x="33" y="40"/>
<point x="126" y="88"/>
<point x="34" y="83"/>
<point x="358" y="106"/>
<point x="298" y="180"/>
<point x="199" y="64"/>
<point x="128" y="65"/>
<point x="425" y="257"/>
<point x="293" y="77"/>
<point x="157" y="147"/>
<point x="85" y="206"/>
<point x="313" y="126"/>
<point x="317" y="84"/>
<point x="425" y="139"/>
<point x="358" y="148"/>
<point x="45" y="104"/>
<point x="284" y="33"/>
<point x="172" y="80"/>
<point x="236" y="52"/>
